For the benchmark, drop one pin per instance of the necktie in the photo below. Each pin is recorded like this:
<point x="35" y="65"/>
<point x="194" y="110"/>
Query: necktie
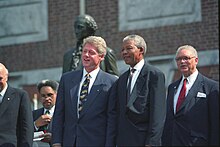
<point x="84" y="92"/>
<point x="129" y="83"/>
<point x="45" y="127"/>
<point x="181" y="95"/>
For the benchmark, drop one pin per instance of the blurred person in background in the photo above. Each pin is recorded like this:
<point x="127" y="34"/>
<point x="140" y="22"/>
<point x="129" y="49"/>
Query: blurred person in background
<point x="43" y="117"/>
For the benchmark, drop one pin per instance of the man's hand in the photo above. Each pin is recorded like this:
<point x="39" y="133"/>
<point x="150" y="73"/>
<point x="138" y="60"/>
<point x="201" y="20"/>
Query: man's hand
<point x="47" y="137"/>
<point x="43" y="120"/>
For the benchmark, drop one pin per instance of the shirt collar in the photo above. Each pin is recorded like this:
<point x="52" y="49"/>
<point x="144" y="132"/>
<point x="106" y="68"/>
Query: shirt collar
<point x="51" y="110"/>
<point x="192" y="77"/>
<point x="139" y="65"/>
<point x="92" y="74"/>
<point x="2" y="93"/>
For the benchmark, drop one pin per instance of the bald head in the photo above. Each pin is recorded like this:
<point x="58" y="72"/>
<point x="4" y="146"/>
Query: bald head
<point x="3" y="76"/>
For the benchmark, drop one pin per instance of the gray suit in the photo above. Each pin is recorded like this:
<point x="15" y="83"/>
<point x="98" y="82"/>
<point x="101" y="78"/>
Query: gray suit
<point x="16" y="122"/>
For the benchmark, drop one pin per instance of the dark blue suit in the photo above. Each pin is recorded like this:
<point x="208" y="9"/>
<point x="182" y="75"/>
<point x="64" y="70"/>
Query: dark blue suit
<point x="141" y="120"/>
<point x="197" y="120"/>
<point x="36" y="114"/>
<point x="96" y="124"/>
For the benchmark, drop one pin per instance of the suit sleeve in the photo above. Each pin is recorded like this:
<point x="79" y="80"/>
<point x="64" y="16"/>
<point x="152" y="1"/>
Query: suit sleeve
<point x="25" y="120"/>
<point x="111" y="120"/>
<point x="214" y="115"/>
<point x="157" y="108"/>
<point x="58" y="117"/>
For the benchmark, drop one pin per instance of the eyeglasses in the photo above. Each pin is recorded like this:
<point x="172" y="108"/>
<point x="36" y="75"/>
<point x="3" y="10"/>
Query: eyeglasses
<point x="183" y="58"/>
<point x="47" y="95"/>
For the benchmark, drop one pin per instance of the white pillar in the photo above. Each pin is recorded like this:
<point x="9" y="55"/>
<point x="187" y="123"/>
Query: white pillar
<point x="81" y="7"/>
<point x="35" y="102"/>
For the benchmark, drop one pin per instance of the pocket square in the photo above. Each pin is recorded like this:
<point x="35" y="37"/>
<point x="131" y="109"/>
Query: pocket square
<point x="200" y="94"/>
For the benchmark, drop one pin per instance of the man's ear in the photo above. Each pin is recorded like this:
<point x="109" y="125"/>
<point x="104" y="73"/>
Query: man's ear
<point x="141" y="50"/>
<point x="102" y="56"/>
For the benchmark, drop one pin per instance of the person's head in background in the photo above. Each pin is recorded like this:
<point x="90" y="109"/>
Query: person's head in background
<point x="133" y="49"/>
<point x="48" y="92"/>
<point x="84" y="26"/>
<point x="186" y="59"/>
<point x="94" y="51"/>
<point x="3" y="76"/>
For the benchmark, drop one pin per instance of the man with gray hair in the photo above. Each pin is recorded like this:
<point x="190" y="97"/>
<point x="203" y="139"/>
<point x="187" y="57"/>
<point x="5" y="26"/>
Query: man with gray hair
<point x="192" y="117"/>
<point x="141" y="97"/>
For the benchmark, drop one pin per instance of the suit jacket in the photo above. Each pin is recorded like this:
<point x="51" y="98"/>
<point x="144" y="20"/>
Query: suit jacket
<point x="16" y="123"/>
<point x="141" y="120"/>
<point x="197" y="120"/>
<point x="96" y="123"/>
<point x="36" y="114"/>
<point x="109" y="64"/>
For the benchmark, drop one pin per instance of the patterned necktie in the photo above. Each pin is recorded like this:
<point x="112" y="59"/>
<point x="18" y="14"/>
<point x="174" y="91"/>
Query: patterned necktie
<point x="45" y="127"/>
<point x="182" y="94"/>
<point x="84" y="92"/>
<point x="129" y="83"/>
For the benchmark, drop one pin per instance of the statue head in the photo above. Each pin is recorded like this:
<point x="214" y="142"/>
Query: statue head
<point x="84" y="26"/>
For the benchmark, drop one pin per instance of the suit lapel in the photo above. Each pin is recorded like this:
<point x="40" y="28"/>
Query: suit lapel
<point x="95" y="90"/>
<point x="75" y="83"/>
<point x="141" y="80"/>
<point x="172" y="92"/>
<point x="8" y="97"/>
<point x="192" y="93"/>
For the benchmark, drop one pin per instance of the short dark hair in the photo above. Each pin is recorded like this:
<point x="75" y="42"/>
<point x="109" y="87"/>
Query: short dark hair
<point x="53" y="84"/>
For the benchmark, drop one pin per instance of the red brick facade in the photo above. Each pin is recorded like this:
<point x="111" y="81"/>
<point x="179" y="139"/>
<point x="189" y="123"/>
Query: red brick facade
<point x="202" y="35"/>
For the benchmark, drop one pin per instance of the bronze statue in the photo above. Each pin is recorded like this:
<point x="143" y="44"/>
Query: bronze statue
<point x="86" y="26"/>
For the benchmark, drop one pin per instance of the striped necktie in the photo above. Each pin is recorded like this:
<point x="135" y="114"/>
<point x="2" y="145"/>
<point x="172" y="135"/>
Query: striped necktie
<point x="84" y="92"/>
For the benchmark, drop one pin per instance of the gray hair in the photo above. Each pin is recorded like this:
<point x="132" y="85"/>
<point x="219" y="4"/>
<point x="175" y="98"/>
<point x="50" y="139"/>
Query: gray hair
<point x="98" y="42"/>
<point x="189" y="48"/>
<point x="53" y="84"/>
<point x="138" y="41"/>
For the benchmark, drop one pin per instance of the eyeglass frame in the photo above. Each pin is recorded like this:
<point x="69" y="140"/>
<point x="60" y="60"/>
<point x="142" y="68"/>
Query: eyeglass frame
<point x="185" y="58"/>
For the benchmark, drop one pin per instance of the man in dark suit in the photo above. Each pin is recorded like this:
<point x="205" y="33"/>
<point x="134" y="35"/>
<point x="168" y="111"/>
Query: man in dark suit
<point x="16" y="123"/>
<point x="194" y="121"/>
<point x="141" y="102"/>
<point x="85" y="115"/>
<point x="43" y="117"/>
<point x="86" y="26"/>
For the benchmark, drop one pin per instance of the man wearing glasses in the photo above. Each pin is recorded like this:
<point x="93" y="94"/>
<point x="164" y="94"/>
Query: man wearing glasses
<point x="192" y="117"/>
<point x="43" y="116"/>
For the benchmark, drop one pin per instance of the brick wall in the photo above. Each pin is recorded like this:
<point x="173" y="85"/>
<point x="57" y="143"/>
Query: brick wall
<point x="202" y="35"/>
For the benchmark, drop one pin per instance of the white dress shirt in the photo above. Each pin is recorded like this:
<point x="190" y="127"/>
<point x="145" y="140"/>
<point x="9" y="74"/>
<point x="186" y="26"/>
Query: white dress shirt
<point x="137" y="68"/>
<point x="93" y="76"/>
<point x="190" y="81"/>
